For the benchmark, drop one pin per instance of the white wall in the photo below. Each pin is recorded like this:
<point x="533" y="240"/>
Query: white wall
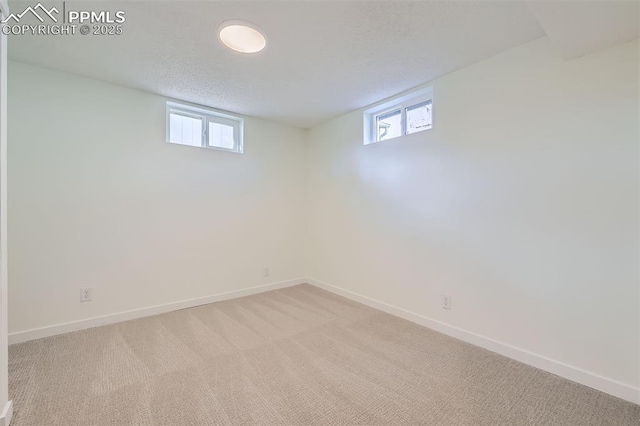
<point x="522" y="203"/>
<point x="98" y="199"/>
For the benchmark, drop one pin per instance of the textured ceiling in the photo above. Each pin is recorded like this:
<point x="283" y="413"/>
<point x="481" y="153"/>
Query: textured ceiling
<point x="582" y="27"/>
<point x="322" y="59"/>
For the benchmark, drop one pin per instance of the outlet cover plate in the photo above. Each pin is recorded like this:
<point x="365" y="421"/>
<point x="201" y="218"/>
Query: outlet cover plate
<point x="446" y="302"/>
<point x="85" y="294"/>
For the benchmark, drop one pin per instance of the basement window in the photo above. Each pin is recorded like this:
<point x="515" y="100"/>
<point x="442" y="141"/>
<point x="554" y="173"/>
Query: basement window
<point x="399" y="116"/>
<point x="204" y="128"/>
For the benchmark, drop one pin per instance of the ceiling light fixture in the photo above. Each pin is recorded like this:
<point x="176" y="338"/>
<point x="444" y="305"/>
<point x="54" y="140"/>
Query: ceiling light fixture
<point x="242" y="36"/>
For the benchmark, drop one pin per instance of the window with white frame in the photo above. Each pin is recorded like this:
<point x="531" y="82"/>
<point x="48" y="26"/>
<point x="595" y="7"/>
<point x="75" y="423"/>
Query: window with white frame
<point x="399" y="116"/>
<point x="202" y="127"/>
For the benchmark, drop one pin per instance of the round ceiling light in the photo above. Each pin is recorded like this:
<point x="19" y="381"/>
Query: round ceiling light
<point x="242" y="37"/>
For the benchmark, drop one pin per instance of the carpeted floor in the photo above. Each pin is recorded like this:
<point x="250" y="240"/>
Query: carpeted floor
<point x="297" y="356"/>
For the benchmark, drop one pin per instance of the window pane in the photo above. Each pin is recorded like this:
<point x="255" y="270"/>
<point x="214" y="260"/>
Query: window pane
<point x="220" y="135"/>
<point x="389" y="125"/>
<point x="418" y="117"/>
<point x="185" y="130"/>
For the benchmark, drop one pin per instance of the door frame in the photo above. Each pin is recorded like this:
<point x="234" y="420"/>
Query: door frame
<point x="6" y="406"/>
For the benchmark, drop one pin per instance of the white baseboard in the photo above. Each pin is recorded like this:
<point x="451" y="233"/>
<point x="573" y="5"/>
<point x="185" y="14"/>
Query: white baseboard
<point x="7" y="414"/>
<point x="52" y="330"/>
<point x="603" y="384"/>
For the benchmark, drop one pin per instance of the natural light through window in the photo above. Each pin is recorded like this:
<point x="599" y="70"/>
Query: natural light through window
<point x="205" y="128"/>
<point x="220" y="135"/>
<point x="399" y="116"/>
<point x="185" y="129"/>
<point x="418" y="117"/>
<point x="389" y="125"/>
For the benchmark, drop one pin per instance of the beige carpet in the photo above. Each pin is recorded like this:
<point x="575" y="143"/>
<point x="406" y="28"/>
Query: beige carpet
<point x="298" y="356"/>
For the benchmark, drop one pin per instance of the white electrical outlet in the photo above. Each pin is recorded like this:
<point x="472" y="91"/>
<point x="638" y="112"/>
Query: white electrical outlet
<point x="446" y="302"/>
<point x="267" y="273"/>
<point x="85" y="294"/>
